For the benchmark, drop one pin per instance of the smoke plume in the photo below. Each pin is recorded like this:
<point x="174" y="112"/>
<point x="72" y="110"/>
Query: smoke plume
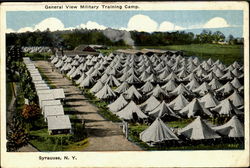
<point x="116" y="35"/>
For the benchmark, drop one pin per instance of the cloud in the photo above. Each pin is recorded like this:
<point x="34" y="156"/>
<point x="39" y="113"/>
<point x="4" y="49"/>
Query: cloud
<point x="142" y="23"/>
<point x="53" y="24"/>
<point x="92" y="25"/>
<point x="168" y="26"/>
<point x="216" y="22"/>
<point x="10" y="31"/>
<point x="25" y="29"/>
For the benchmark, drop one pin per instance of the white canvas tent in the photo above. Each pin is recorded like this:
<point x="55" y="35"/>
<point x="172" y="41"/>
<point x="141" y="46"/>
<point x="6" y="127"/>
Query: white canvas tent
<point x="163" y="111"/>
<point x="198" y="130"/>
<point x="127" y="112"/>
<point x="178" y="103"/>
<point x="157" y="132"/>
<point x="118" y="104"/>
<point x="194" y="108"/>
<point x="233" y="128"/>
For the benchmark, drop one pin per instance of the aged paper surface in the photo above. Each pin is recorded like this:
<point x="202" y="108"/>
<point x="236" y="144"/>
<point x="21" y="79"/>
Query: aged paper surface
<point x="173" y="158"/>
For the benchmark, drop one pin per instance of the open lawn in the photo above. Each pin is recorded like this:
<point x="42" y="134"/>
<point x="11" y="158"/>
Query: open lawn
<point x="62" y="142"/>
<point x="225" y="53"/>
<point x="38" y="56"/>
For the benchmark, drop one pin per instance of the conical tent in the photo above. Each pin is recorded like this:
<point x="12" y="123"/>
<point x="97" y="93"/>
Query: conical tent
<point x="157" y="132"/>
<point x="118" y="104"/>
<point x="163" y="110"/>
<point x="202" y="89"/>
<point x="219" y="73"/>
<point x="226" y="107"/>
<point x="75" y="73"/>
<point x="96" y="73"/>
<point x="227" y="88"/>
<point x="122" y="88"/>
<point x="178" y="103"/>
<point x="112" y="81"/>
<point x="128" y="111"/>
<point x="210" y="77"/>
<point x="209" y="100"/>
<point x="158" y="92"/>
<point x="194" y="108"/>
<point x="105" y="93"/>
<point x="182" y="74"/>
<point x="132" y="93"/>
<point x="169" y="86"/>
<point x="193" y="84"/>
<point x="147" y="87"/>
<point x="181" y="89"/>
<point x="132" y="79"/>
<point x="190" y="77"/>
<point x="163" y="74"/>
<point x="205" y="65"/>
<point x="87" y="82"/>
<point x="124" y="77"/>
<point x="236" y="64"/>
<point x="236" y="83"/>
<point x="104" y="78"/>
<point x="236" y="72"/>
<point x="191" y="67"/>
<point x="233" y="128"/>
<point x="198" y="130"/>
<point x="228" y="76"/>
<point x="236" y="99"/>
<point x="215" y="84"/>
<point x="71" y="71"/>
<point x="150" y="104"/>
<point x="83" y="76"/>
<point x="97" y="87"/>
<point x="144" y="76"/>
<point x="152" y="78"/>
<point x="171" y="76"/>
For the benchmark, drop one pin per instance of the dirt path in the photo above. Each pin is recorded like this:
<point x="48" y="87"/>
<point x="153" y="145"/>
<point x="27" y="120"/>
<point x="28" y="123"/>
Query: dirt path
<point x="103" y="135"/>
<point x="27" y="148"/>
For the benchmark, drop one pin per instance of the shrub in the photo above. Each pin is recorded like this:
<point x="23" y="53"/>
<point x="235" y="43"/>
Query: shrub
<point x="30" y="111"/>
<point x="17" y="135"/>
<point x="79" y="132"/>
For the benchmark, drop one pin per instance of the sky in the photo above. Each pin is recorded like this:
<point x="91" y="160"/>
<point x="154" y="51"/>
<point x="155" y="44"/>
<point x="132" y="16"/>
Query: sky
<point x="227" y="21"/>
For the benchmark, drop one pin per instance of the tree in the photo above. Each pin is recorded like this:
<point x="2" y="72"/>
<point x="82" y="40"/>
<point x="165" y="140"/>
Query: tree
<point x="218" y="36"/>
<point x="31" y="112"/>
<point x="17" y="135"/>
<point x="231" y="39"/>
<point x="206" y="36"/>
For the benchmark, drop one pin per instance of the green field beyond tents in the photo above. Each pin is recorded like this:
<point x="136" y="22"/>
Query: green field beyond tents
<point x="225" y="53"/>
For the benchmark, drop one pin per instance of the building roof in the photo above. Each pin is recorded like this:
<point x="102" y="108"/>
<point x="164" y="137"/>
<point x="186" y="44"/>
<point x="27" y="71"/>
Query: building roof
<point x="53" y="110"/>
<point x="58" y="122"/>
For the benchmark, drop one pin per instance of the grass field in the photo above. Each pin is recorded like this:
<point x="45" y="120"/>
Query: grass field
<point x="45" y="142"/>
<point x="225" y="53"/>
<point x="38" y="56"/>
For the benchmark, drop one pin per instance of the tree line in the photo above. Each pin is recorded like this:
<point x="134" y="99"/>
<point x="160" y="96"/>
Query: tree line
<point x="71" y="38"/>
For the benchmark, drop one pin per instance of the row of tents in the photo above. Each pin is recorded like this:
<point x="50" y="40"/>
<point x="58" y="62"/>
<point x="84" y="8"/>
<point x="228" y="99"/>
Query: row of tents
<point x="135" y="87"/>
<point x="36" y="49"/>
<point x="159" y="132"/>
<point x="50" y="101"/>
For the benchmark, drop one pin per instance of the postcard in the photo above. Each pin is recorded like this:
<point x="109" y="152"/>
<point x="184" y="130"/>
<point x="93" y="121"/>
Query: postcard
<point x="125" y="84"/>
